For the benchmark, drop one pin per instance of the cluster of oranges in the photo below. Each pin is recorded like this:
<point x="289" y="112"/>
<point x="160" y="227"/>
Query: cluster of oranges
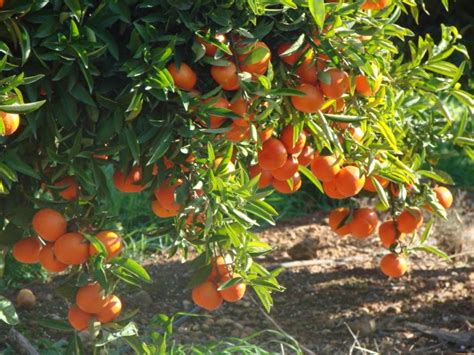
<point x="55" y="248"/>
<point x="208" y="296"/>
<point x="93" y="303"/>
<point x="11" y="122"/>
<point x="362" y="222"/>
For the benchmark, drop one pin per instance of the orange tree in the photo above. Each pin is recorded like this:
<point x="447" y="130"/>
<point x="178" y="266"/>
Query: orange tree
<point x="206" y="107"/>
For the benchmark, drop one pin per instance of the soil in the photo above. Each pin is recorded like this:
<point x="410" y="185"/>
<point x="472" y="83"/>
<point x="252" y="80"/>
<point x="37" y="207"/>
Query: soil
<point x="343" y="305"/>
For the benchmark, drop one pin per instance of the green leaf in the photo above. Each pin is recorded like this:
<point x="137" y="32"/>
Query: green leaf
<point x="318" y="11"/>
<point x="8" y="312"/>
<point x="309" y="175"/>
<point x="55" y="324"/>
<point x="132" y="142"/>
<point x="426" y="232"/>
<point x="437" y="175"/>
<point x="133" y="267"/>
<point x="433" y="250"/>
<point x="381" y="193"/>
<point x="344" y="118"/>
<point x="75" y="7"/>
<point x="22" y="108"/>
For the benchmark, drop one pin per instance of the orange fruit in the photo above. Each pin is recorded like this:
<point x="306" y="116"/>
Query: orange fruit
<point x="325" y="167"/>
<point x="389" y="234"/>
<point x="72" y="249"/>
<point x="336" y="85"/>
<point x="78" y="319"/>
<point x="293" y="57"/>
<point x="364" y="222"/>
<point x="311" y="102"/>
<point x="285" y="188"/>
<point x="338" y="106"/>
<point x="206" y="296"/>
<point x="444" y="196"/>
<point x="287" y="170"/>
<point x="266" y="134"/>
<point x="309" y="69"/>
<point x="409" y="220"/>
<point x="330" y="189"/>
<point x="70" y="192"/>
<point x="165" y="194"/>
<point x="393" y="265"/>
<point x="238" y="132"/>
<point x="219" y="269"/>
<point x="49" y="224"/>
<point x="260" y="66"/>
<point x="235" y="292"/>
<point x="356" y="133"/>
<point x="266" y="177"/>
<point x="11" y="122"/>
<point x="374" y="4"/>
<point x="111" y="241"/>
<point x="286" y="138"/>
<point x="111" y="310"/>
<point x="91" y="298"/>
<point x="48" y="259"/>
<point x="226" y="76"/>
<point x="184" y="77"/>
<point x="210" y="48"/>
<point x="336" y="216"/>
<point x="272" y="155"/>
<point x="162" y="212"/>
<point x="27" y="250"/>
<point x="241" y="108"/>
<point x="128" y="183"/>
<point x="369" y="186"/>
<point x="306" y="156"/>
<point x="349" y="181"/>
<point x="215" y="120"/>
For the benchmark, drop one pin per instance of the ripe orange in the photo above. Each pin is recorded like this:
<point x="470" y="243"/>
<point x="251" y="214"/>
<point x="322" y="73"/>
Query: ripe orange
<point x="235" y="292"/>
<point x="306" y="156"/>
<point x="409" y="220"/>
<point x="226" y="76"/>
<point x="356" y="133"/>
<point x="336" y="216"/>
<point x="91" y="298"/>
<point x="111" y="310"/>
<point x="72" y="249"/>
<point x="309" y="69"/>
<point x="219" y="269"/>
<point x="210" y="48"/>
<point x="48" y="259"/>
<point x="444" y="196"/>
<point x="27" y="250"/>
<point x="184" y="77"/>
<point x="215" y="120"/>
<point x="266" y="177"/>
<point x="111" y="241"/>
<point x="389" y="234"/>
<point x="162" y="212"/>
<point x="286" y="138"/>
<point x="374" y="4"/>
<point x="260" y="66"/>
<point x="325" y="167"/>
<point x="393" y="265"/>
<point x="238" y="132"/>
<point x="364" y="222"/>
<point x="293" y="57"/>
<point x="285" y="188"/>
<point x="165" y="194"/>
<point x="311" y="102"/>
<point x="206" y="296"/>
<point x="78" y="319"/>
<point x="287" y="170"/>
<point x="337" y="84"/>
<point x="241" y="107"/>
<point x="70" y="192"/>
<point x="49" y="224"/>
<point x="266" y="134"/>
<point x="369" y="186"/>
<point x="330" y="189"/>
<point x="128" y="183"/>
<point x="11" y="121"/>
<point x="362" y="86"/>
<point x="272" y="155"/>
<point x="349" y="181"/>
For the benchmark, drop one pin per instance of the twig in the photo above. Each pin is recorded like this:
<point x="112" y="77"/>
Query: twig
<point x="458" y="338"/>
<point x="277" y="326"/>
<point x="19" y="343"/>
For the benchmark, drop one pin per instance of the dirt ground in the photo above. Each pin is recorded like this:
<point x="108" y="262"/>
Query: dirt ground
<point x="341" y="305"/>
